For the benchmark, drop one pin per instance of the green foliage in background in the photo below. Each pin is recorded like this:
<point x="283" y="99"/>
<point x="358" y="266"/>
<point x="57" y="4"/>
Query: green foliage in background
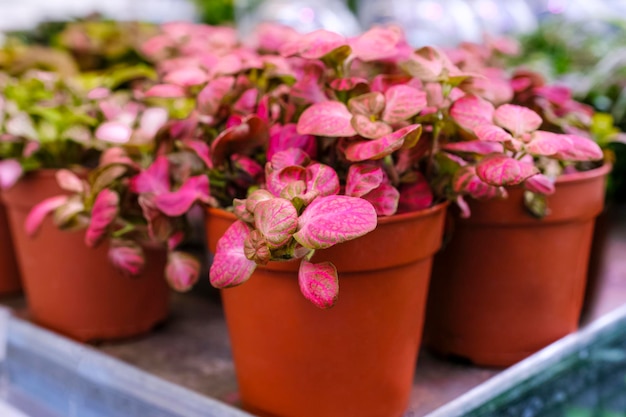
<point x="215" y="12"/>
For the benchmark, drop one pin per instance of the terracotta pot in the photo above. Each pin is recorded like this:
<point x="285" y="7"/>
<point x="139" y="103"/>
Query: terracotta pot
<point x="355" y="359"/>
<point x="9" y="274"/>
<point x="508" y="284"/>
<point x="74" y="289"/>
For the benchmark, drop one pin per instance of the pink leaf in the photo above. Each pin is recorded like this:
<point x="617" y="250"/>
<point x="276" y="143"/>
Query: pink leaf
<point x="403" y="102"/>
<point x="211" y="96"/>
<point x="152" y="120"/>
<point x="474" y="146"/>
<point x="278" y="180"/>
<point x="540" y="184"/>
<point x="363" y="178"/>
<point x="104" y="211"/>
<point x="367" y="128"/>
<point x="285" y="137"/>
<point x="471" y="111"/>
<point x="319" y="283"/>
<point x="517" y="119"/>
<point x="362" y="150"/>
<point x="501" y="170"/>
<point x="467" y="182"/>
<point x="277" y="220"/>
<point x="155" y="179"/>
<point x="166" y="91"/>
<point x="415" y="196"/>
<point x="10" y="172"/>
<point x="369" y="104"/>
<point x="581" y="149"/>
<point x="314" y="45"/>
<point x="426" y="64"/>
<point x="329" y="118"/>
<point x="127" y="257"/>
<point x="547" y="143"/>
<point x="491" y="133"/>
<point x="334" y="219"/>
<point x="186" y="77"/>
<point x="256" y="249"/>
<point x="116" y="155"/>
<point x="177" y="203"/>
<point x="182" y="270"/>
<point x="347" y="84"/>
<point x="376" y="44"/>
<point x="247" y="102"/>
<point x="308" y="87"/>
<point x="38" y="213"/>
<point x="322" y="178"/>
<point x="385" y="199"/>
<point x="201" y="149"/>
<point x="230" y="266"/>
<point x="69" y="181"/>
<point x="256" y="197"/>
<point x="114" y="132"/>
<point x="289" y="157"/>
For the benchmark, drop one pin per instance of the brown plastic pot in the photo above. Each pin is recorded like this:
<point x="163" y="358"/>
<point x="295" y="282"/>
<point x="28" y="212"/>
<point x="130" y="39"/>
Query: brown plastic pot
<point x="10" y="282"/>
<point x="355" y="359"/>
<point x="73" y="289"/>
<point x="508" y="284"/>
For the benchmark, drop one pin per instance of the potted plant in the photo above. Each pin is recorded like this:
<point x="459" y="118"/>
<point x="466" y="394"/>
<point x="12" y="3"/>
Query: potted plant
<point x="512" y="277"/>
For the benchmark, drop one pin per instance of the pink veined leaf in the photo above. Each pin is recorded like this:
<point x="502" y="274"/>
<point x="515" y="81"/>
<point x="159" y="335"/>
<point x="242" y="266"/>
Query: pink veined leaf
<point x="166" y="91"/>
<point x="104" y="211"/>
<point x="557" y="94"/>
<point x="201" y="149"/>
<point x="293" y="190"/>
<point x="256" y="249"/>
<point x="426" y="64"/>
<point x="501" y="170"/>
<point x="384" y="82"/>
<point x="152" y="120"/>
<point x="492" y="133"/>
<point x="540" y="184"/>
<point x="66" y="216"/>
<point x="322" y="178"/>
<point x="467" y="182"/>
<point x="369" y="104"/>
<point x="319" y="283"/>
<point x="285" y="137"/>
<point x="334" y="219"/>
<point x="182" y="270"/>
<point x="247" y="102"/>
<point x="581" y="149"/>
<point x="38" y="213"/>
<point x="186" y="77"/>
<point x="249" y="135"/>
<point x="517" y="119"/>
<point x="278" y="180"/>
<point x="116" y="155"/>
<point x="160" y="227"/>
<point x="362" y="150"/>
<point x="177" y="203"/>
<point x="329" y="118"/>
<point x="308" y="87"/>
<point x="227" y="65"/>
<point x="547" y="143"/>
<point x="416" y="196"/>
<point x="10" y="172"/>
<point x="230" y="266"/>
<point x="471" y="111"/>
<point x="247" y="165"/>
<point x="271" y="37"/>
<point x="385" y="199"/>
<point x="69" y="181"/>
<point x="403" y="102"/>
<point x="256" y="197"/>
<point x="277" y="220"/>
<point x="363" y="178"/>
<point x="154" y="179"/>
<point x="315" y="45"/>
<point x="114" y="132"/>
<point x="127" y="257"/>
<point x="289" y="157"/>
<point x="369" y="129"/>
<point x="474" y="146"/>
<point x="347" y="84"/>
<point x="213" y="93"/>
<point x="376" y="44"/>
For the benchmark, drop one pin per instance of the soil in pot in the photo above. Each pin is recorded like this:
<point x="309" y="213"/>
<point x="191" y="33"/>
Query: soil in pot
<point x="508" y="284"/>
<point x="73" y="289"/>
<point x="354" y="359"/>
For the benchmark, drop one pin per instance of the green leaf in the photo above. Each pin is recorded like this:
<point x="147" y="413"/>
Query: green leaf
<point x="536" y="204"/>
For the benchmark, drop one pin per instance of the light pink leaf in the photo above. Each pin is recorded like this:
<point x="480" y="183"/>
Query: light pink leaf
<point x="347" y="84"/>
<point x="334" y="219"/>
<point x="278" y="180"/>
<point x="471" y="111"/>
<point x="69" y="181"/>
<point x="230" y="266"/>
<point x="104" y="211"/>
<point x="492" y="133"/>
<point x="166" y="91"/>
<point x="376" y="44"/>
<point x="403" y="102"/>
<point x="547" y="143"/>
<point x="127" y="257"/>
<point x="540" y="184"/>
<point x="426" y="64"/>
<point x="363" y="150"/>
<point x="213" y="93"/>
<point x="179" y="202"/>
<point x="322" y="178"/>
<point x="309" y="87"/>
<point x="369" y="104"/>
<point x="255" y="198"/>
<point x="319" y="283"/>
<point x="466" y="181"/>
<point x="251" y="133"/>
<point x="293" y="190"/>
<point x="10" y="172"/>
<point x="201" y="149"/>
<point x="256" y="249"/>
<point x="369" y="129"/>
<point x="182" y="270"/>
<point x="501" y="170"/>
<point x="474" y="146"/>
<point x="415" y="196"/>
<point x="277" y="220"/>
<point x="385" y="199"/>
<point x="114" y="132"/>
<point x="154" y="179"/>
<point x="289" y="157"/>
<point x="186" y="77"/>
<point x="247" y="102"/>
<point x="581" y="149"/>
<point x="329" y="118"/>
<point x="363" y="178"/>
<point x="116" y="155"/>
<point x="315" y="45"/>
<point x="152" y="119"/>
<point x="285" y="137"/>
<point x="517" y="119"/>
<point x="38" y="213"/>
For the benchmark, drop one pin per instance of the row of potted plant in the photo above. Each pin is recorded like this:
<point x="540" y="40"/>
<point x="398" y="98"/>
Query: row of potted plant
<point x="323" y="163"/>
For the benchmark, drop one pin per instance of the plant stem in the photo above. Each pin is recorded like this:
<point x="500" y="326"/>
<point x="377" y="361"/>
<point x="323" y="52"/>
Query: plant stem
<point x="433" y="146"/>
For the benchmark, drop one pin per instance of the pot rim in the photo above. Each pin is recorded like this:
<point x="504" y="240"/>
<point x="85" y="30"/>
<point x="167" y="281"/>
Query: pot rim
<point x="584" y="175"/>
